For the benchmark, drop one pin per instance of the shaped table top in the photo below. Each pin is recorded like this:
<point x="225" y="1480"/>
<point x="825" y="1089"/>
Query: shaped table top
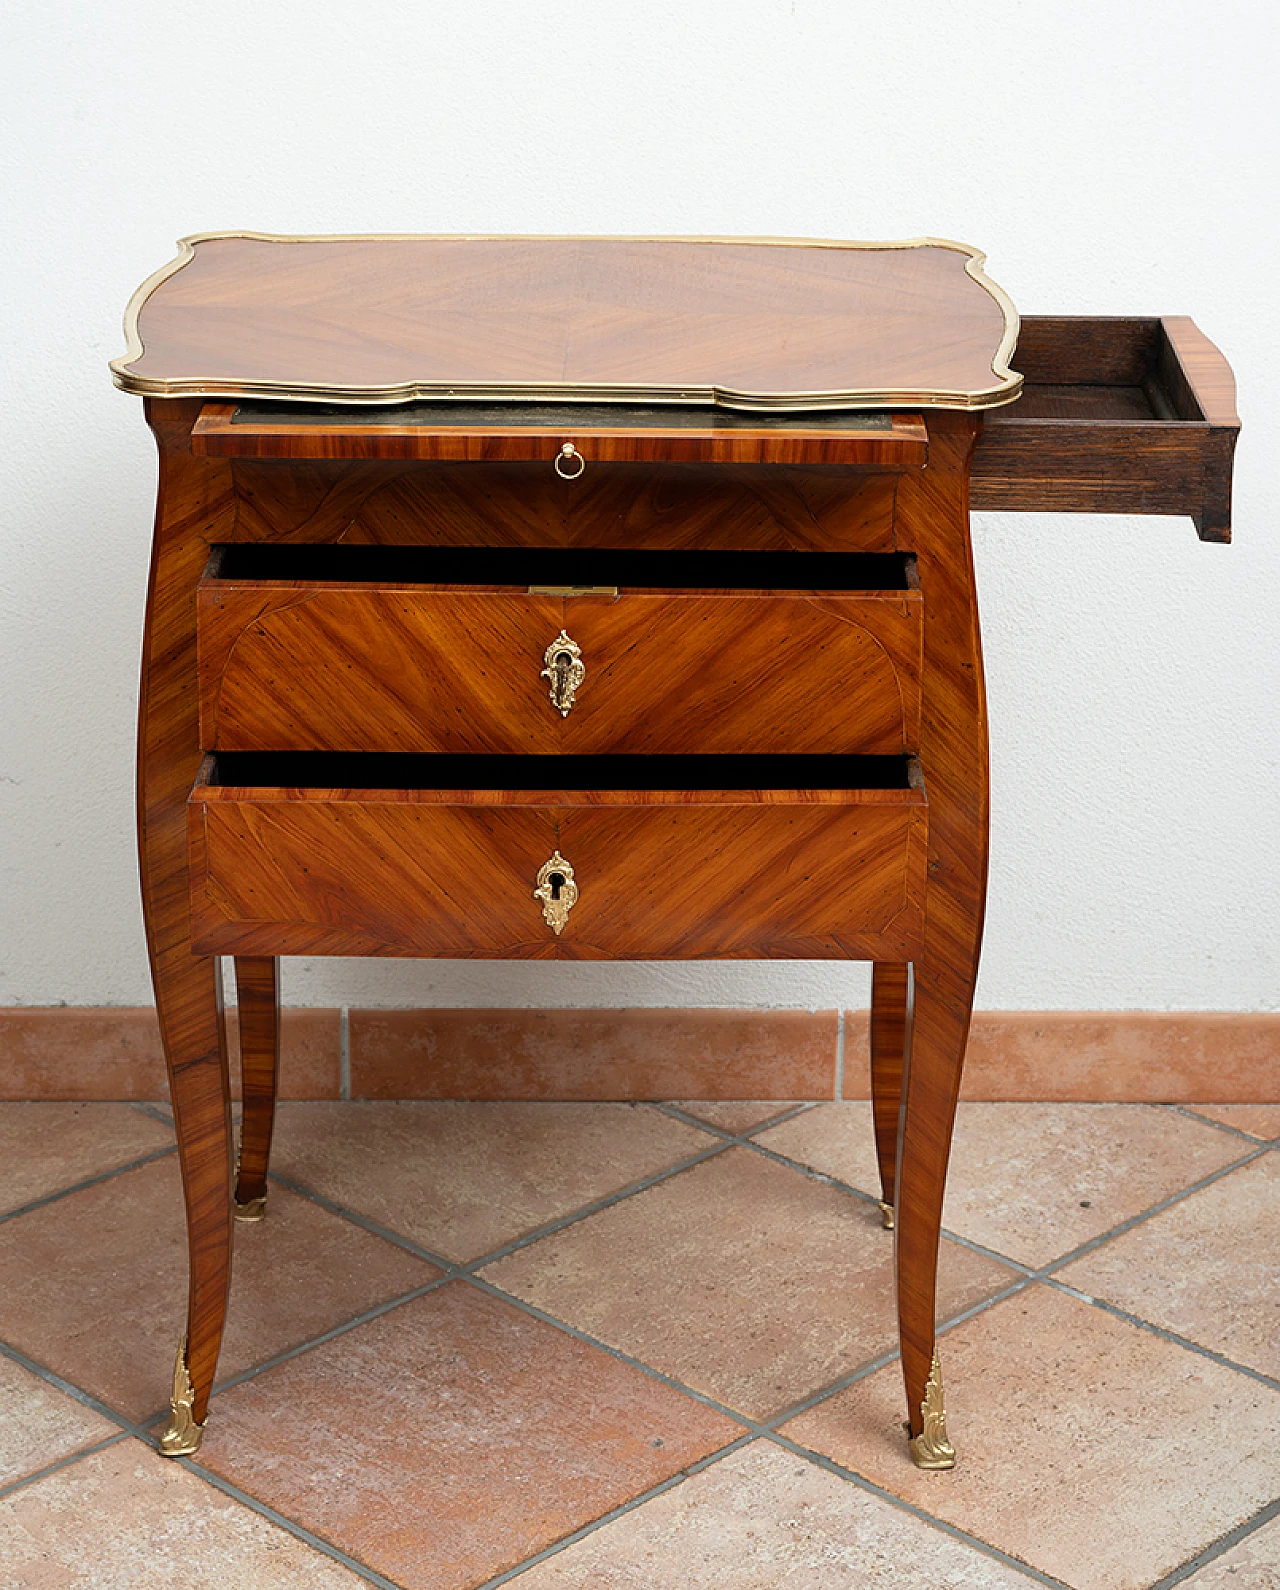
<point x="764" y="324"/>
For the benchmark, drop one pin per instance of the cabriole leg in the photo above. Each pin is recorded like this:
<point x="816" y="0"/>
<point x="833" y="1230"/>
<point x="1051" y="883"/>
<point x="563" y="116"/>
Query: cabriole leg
<point x="258" y="992"/>
<point x="189" y="999"/>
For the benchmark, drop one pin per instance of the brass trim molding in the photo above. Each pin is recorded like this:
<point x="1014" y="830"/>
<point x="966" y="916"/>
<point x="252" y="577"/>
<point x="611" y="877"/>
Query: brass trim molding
<point x="182" y="1435"/>
<point x="931" y="1449"/>
<point x="1007" y="388"/>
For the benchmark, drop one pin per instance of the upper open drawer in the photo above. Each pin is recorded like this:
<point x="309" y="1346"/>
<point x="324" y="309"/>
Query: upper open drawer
<point x="1116" y="416"/>
<point x="564" y="435"/>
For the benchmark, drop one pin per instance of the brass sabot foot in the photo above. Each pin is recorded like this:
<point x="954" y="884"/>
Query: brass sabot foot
<point x="886" y="1215"/>
<point x="182" y="1435"/>
<point x="253" y="1209"/>
<point x="931" y="1449"/>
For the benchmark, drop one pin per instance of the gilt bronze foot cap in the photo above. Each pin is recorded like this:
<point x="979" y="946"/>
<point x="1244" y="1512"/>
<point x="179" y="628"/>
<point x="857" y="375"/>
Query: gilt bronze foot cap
<point x="931" y="1449"/>
<point x="182" y="1435"/>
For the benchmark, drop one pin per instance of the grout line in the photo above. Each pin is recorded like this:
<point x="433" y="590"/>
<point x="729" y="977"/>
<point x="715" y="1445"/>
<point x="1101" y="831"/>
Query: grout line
<point x="298" y="1531"/>
<point x="594" y="1208"/>
<point x="839" y="1093"/>
<point x="89" y="1181"/>
<point x="1219" y="1547"/>
<point x="449" y="1266"/>
<point x="151" y="1109"/>
<point x="64" y="1462"/>
<point x="874" y="1365"/>
<point x="1029" y="1270"/>
<point x="283" y="1357"/>
<point x="85" y="1398"/>
<point x="677" y="1114"/>
<point x="1147" y="1214"/>
<point x="558" y="1546"/>
<point x="782" y="1115"/>
<point x="533" y="1310"/>
<point x="820" y="1460"/>
<point x="344" y="1054"/>
<point x="1162" y="1332"/>
<point x="1222" y="1126"/>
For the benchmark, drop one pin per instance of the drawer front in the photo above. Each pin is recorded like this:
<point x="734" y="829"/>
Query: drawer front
<point x="666" y="507"/>
<point x="364" y="668"/>
<point x="836" y="875"/>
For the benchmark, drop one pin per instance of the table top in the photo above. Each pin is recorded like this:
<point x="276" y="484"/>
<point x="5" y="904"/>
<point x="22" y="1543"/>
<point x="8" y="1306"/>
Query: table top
<point x="749" y="323"/>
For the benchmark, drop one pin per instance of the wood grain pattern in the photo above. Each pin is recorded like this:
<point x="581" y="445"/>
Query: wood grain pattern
<point x="258" y="997"/>
<point x="194" y="507"/>
<point x="439" y="873"/>
<point x="399" y="668"/>
<point x="933" y="522"/>
<point x="902" y="445"/>
<point x="746" y="323"/>
<point x="737" y="508"/>
<point x="889" y="989"/>
<point x="1117" y="416"/>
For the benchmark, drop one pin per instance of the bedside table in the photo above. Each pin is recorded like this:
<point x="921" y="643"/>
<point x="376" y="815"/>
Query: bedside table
<point x="558" y="599"/>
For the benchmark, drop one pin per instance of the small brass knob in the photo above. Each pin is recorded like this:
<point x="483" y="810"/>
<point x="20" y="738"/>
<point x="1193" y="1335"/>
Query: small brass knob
<point x="566" y="671"/>
<point x="557" y="891"/>
<point x="564" y="458"/>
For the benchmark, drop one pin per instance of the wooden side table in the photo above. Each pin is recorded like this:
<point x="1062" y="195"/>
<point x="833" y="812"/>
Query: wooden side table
<point x="599" y="598"/>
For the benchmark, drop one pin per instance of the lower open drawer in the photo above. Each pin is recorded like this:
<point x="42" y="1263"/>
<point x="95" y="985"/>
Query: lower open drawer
<point x="808" y="857"/>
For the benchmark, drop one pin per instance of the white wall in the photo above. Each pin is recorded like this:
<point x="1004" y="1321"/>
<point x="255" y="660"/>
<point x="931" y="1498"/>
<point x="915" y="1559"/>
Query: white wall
<point x="1112" y="158"/>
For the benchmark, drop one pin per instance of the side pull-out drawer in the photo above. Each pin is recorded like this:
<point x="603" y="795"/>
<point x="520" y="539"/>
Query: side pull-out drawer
<point x="444" y="650"/>
<point x="346" y="855"/>
<point x="1116" y="416"/>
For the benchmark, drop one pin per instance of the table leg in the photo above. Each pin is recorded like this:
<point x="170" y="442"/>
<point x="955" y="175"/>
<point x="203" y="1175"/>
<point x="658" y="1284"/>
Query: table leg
<point x="258" y="993"/>
<point x="189" y="1001"/>
<point x="194" y="508"/>
<point x="888" y="1039"/>
<point x="934" y="523"/>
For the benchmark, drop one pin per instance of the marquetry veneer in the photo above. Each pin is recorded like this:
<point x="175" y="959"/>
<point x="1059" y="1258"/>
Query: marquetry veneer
<point x="599" y="598"/>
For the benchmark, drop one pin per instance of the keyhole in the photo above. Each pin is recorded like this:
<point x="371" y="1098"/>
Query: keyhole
<point x="564" y="662"/>
<point x="556" y="880"/>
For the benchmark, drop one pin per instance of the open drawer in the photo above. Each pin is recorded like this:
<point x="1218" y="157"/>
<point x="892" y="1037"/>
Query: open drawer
<point x="1116" y="416"/>
<point x="571" y="858"/>
<point x="501" y="650"/>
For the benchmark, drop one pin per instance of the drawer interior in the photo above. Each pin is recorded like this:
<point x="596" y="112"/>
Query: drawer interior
<point x="489" y="568"/>
<point x="594" y="778"/>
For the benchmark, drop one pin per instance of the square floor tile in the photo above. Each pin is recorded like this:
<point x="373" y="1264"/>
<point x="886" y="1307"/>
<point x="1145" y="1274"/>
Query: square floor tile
<point x="1096" y="1451"/>
<point x="463" y="1179"/>
<point x="763" y="1519"/>
<point x="1208" y="1268"/>
<point x="453" y="1437"/>
<point x="94" y="1285"/>
<point x="1032" y="1181"/>
<point x="40" y="1424"/>
<point x="126" y="1519"/>
<point x="46" y="1147"/>
<point x="734" y="1115"/>
<point x="750" y="1282"/>
<point x="1259" y="1120"/>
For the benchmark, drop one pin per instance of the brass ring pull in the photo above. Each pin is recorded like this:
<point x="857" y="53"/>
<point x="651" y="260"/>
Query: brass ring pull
<point x="566" y="671"/>
<point x="566" y="455"/>
<point x="557" y="891"/>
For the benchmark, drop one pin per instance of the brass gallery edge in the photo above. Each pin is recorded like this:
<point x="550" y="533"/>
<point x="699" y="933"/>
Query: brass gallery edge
<point x="1008" y="388"/>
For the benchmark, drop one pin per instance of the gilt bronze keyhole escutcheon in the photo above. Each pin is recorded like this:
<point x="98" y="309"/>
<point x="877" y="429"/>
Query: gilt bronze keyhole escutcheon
<point x="566" y="671"/>
<point x="557" y="891"/>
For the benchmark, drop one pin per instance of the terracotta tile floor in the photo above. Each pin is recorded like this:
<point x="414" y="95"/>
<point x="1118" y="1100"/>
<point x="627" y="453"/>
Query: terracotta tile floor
<point x="642" y="1347"/>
